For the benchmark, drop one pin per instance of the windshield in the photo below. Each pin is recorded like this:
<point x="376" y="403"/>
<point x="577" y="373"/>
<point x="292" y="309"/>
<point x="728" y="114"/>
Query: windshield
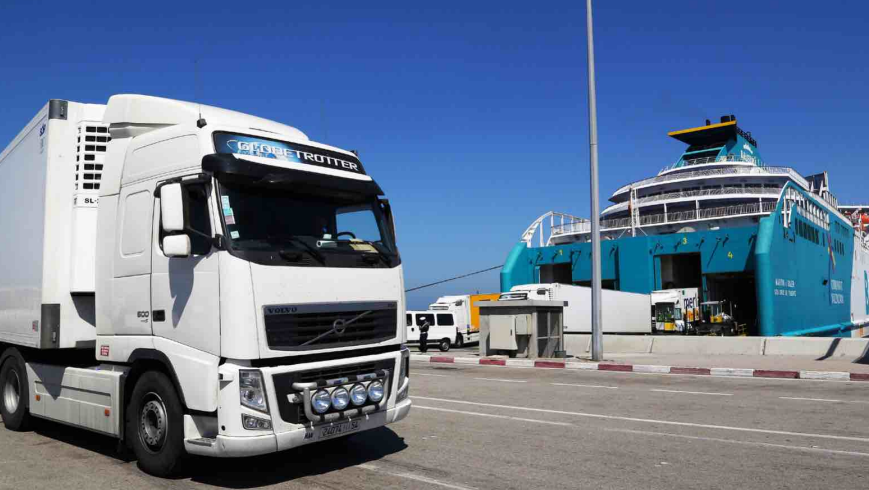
<point x="282" y="224"/>
<point x="665" y="312"/>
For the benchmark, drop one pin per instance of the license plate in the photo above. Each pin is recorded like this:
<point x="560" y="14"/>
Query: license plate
<point x="335" y="430"/>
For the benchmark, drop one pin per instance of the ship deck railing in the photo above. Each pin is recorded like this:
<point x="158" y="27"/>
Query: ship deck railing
<point x="715" y="172"/>
<point x="772" y="191"/>
<point x="707" y="160"/>
<point x="748" y="209"/>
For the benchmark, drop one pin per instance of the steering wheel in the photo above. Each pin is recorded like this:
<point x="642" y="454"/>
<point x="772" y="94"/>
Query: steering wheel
<point x="352" y="235"/>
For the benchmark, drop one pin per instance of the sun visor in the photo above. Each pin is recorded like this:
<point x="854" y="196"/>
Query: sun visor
<point x="230" y="165"/>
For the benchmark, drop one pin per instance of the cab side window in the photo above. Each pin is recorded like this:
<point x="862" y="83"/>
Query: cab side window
<point x="197" y="199"/>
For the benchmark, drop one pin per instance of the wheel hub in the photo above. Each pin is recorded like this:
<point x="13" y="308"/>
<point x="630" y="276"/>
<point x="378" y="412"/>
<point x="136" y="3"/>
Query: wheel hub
<point x="12" y="391"/>
<point x="153" y="423"/>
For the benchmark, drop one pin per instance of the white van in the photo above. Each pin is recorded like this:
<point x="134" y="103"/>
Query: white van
<point x="441" y="331"/>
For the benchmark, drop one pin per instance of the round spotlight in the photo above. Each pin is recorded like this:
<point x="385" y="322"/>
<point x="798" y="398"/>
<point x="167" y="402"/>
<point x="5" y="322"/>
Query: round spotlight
<point x="358" y="395"/>
<point x="340" y="398"/>
<point x="375" y="391"/>
<point x="321" y="401"/>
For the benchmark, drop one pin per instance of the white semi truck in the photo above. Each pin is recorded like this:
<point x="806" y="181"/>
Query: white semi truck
<point x="466" y="312"/>
<point x="621" y="312"/>
<point x="193" y="280"/>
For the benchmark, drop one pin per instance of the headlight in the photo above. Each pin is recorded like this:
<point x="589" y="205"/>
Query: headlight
<point x="375" y="391"/>
<point x="340" y="398"/>
<point x="358" y="395"/>
<point x="251" y="390"/>
<point x="255" y="423"/>
<point x="321" y="401"/>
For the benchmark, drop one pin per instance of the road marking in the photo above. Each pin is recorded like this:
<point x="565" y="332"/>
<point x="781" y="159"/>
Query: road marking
<point x="692" y="392"/>
<point x="585" y="386"/>
<point x="435" y="375"/>
<point x="652" y="421"/>
<point x="663" y="434"/>
<point x="502" y="380"/>
<point x="744" y="443"/>
<point x="536" y="421"/>
<point x="820" y="400"/>
<point x="412" y="476"/>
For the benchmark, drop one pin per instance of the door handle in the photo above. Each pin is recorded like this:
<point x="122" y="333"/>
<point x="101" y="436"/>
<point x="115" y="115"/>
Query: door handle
<point x="158" y="315"/>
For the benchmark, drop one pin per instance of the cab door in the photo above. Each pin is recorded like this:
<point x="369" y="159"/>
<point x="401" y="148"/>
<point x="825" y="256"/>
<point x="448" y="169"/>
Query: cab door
<point x="185" y="292"/>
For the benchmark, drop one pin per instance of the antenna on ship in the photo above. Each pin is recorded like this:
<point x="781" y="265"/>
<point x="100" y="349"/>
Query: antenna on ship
<point x="596" y="330"/>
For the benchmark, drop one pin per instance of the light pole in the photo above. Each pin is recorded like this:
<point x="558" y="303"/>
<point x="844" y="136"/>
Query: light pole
<point x="596" y="325"/>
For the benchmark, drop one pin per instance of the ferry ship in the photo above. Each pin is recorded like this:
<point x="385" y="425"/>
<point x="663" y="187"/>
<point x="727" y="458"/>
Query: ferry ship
<point x="774" y="244"/>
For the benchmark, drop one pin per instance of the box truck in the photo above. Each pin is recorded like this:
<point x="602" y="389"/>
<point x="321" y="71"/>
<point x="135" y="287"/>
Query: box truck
<point x="193" y="280"/>
<point x="621" y="312"/>
<point x="466" y="310"/>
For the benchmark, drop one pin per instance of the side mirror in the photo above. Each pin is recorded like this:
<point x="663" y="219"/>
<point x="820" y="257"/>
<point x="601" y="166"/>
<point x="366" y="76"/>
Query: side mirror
<point x="176" y="246"/>
<point x="172" y="208"/>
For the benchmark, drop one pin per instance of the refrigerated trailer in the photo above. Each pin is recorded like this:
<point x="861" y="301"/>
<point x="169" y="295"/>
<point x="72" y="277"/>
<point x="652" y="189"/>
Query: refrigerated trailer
<point x="193" y="280"/>
<point x="621" y="312"/>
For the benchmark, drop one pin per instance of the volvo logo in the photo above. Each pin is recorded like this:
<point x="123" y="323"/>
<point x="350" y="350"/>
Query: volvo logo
<point x="281" y="310"/>
<point x="339" y="326"/>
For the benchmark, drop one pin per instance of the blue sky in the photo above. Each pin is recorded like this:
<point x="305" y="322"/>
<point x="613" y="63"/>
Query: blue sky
<point x="472" y="115"/>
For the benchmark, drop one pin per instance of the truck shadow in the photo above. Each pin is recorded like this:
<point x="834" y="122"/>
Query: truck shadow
<point x="282" y="467"/>
<point x="254" y="472"/>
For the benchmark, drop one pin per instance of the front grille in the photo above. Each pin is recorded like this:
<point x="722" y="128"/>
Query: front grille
<point x="315" y="326"/>
<point x="294" y="413"/>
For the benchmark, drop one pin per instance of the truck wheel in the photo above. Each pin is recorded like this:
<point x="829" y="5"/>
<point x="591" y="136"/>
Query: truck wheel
<point x="460" y="341"/>
<point x="444" y="346"/>
<point x="14" y="392"/>
<point x="155" y="424"/>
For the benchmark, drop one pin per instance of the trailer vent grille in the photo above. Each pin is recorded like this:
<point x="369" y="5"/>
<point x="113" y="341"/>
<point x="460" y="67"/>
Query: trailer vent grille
<point x="92" y="141"/>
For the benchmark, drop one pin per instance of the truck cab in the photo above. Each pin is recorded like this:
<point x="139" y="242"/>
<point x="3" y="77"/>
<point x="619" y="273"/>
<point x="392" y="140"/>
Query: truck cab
<point x="247" y="288"/>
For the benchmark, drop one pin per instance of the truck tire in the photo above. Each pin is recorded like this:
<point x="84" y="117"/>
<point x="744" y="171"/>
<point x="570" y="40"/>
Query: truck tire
<point x="460" y="341"/>
<point x="155" y="424"/>
<point x="14" y="392"/>
<point x="444" y="345"/>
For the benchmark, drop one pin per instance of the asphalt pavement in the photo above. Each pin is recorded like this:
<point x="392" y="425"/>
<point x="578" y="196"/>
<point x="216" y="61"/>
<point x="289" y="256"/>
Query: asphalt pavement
<point x="480" y="427"/>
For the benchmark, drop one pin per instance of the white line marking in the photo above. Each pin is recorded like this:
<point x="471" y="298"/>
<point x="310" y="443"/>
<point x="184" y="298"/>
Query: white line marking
<point x="411" y="476"/>
<point x="663" y="434"/>
<point x="585" y="386"/>
<point x="820" y="400"/>
<point x="536" y="421"/>
<point x="652" y="421"/>
<point x="745" y="443"/>
<point x="435" y="375"/>
<point x="693" y="392"/>
<point x="502" y="380"/>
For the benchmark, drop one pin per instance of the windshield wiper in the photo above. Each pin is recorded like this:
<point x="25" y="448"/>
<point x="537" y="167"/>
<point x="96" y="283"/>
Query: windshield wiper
<point x="311" y="250"/>
<point x="380" y="253"/>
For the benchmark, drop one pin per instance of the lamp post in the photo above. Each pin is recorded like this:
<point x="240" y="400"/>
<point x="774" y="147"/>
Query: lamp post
<point x="596" y="326"/>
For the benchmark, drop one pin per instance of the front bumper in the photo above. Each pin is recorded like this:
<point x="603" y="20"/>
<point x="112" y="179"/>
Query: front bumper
<point x="224" y="435"/>
<point x="235" y="447"/>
